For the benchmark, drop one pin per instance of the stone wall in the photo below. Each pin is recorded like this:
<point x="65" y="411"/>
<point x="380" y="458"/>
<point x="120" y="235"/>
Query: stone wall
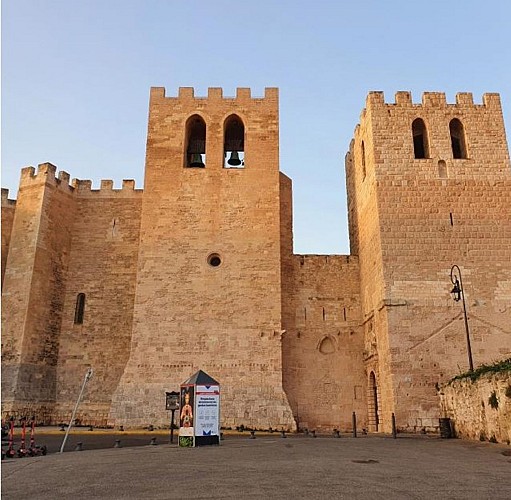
<point x="480" y="409"/>
<point x="322" y="347"/>
<point x="102" y="265"/>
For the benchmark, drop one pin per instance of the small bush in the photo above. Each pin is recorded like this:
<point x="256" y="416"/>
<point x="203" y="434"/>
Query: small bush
<point x="493" y="401"/>
<point x="499" y="367"/>
<point x="482" y="436"/>
<point x="493" y="439"/>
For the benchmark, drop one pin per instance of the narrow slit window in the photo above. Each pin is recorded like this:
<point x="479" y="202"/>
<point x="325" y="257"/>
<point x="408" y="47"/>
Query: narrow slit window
<point x="234" y="142"/>
<point x="458" y="144"/>
<point x="195" y="143"/>
<point x="420" y="139"/>
<point x="363" y="159"/>
<point x="79" y="309"/>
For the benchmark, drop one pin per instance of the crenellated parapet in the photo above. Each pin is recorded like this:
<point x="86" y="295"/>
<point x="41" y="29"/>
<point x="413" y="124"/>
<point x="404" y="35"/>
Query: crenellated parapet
<point x="376" y="99"/>
<point x="45" y="174"/>
<point x="83" y="188"/>
<point x="403" y="99"/>
<point x="6" y="201"/>
<point x="187" y="94"/>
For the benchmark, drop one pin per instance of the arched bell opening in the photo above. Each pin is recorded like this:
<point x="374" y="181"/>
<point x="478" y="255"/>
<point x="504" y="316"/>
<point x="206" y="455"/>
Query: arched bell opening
<point x="195" y="143"/>
<point x="234" y="142"/>
<point x="372" y="403"/>
<point x="458" y="143"/>
<point x="420" y="139"/>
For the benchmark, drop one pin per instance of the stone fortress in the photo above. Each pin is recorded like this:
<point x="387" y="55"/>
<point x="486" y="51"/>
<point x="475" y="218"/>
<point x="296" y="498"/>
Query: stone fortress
<point x="197" y="271"/>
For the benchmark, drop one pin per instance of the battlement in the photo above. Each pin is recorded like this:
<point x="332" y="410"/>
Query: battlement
<point x="45" y="174"/>
<point x="84" y="188"/>
<point x="187" y="94"/>
<point x="6" y="202"/>
<point x="376" y="99"/>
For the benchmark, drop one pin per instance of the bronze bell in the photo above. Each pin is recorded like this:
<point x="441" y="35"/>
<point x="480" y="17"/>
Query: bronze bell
<point x="196" y="160"/>
<point x="234" y="160"/>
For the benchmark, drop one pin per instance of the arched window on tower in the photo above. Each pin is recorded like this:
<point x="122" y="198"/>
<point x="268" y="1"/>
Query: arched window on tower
<point x="195" y="143"/>
<point x="458" y="144"/>
<point x="363" y="159"/>
<point x="234" y="142"/>
<point x="420" y="139"/>
<point x="79" y="308"/>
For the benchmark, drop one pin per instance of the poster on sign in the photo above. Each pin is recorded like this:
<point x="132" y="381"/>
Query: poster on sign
<point x="187" y="416"/>
<point x="207" y="410"/>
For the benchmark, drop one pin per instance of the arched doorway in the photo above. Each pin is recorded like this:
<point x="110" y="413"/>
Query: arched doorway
<point x="374" y="418"/>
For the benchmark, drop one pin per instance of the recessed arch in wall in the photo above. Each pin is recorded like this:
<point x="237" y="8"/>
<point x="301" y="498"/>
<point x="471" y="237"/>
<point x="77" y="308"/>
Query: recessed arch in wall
<point x="327" y="345"/>
<point x="442" y="169"/>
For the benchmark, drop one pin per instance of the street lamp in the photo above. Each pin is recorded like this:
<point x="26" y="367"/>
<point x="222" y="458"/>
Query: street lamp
<point x="458" y="294"/>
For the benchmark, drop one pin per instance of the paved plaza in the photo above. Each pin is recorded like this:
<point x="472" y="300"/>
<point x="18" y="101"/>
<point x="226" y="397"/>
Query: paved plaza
<point x="270" y="467"/>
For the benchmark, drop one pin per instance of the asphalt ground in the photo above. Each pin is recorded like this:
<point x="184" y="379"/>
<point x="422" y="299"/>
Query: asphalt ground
<point x="369" y="467"/>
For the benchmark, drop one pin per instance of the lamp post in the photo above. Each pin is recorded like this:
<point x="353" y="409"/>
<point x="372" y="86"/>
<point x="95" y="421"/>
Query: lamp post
<point x="458" y="294"/>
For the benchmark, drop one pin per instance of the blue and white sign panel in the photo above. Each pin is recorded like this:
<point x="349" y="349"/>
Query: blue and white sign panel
<point x="207" y="410"/>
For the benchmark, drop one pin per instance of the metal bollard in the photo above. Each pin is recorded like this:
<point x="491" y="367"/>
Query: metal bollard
<point x="121" y="428"/>
<point x="79" y="447"/>
<point x="354" y="420"/>
<point x="91" y="428"/>
<point x="117" y="443"/>
<point x="252" y="435"/>
<point x="313" y="434"/>
<point x="153" y="441"/>
<point x="283" y="434"/>
<point x="306" y="432"/>
<point x="221" y="436"/>
<point x="394" y="430"/>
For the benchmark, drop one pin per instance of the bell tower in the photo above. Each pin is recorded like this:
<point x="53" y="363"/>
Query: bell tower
<point x="208" y="292"/>
<point x="429" y="186"/>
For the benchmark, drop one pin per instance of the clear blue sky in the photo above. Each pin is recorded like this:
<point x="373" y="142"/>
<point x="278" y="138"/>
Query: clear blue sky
<point x="76" y="76"/>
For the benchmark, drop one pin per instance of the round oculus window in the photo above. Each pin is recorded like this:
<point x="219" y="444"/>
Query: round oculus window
<point x="214" y="260"/>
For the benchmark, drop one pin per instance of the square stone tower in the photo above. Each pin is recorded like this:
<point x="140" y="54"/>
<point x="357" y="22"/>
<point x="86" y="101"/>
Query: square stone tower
<point x="208" y="290"/>
<point x="429" y="186"/>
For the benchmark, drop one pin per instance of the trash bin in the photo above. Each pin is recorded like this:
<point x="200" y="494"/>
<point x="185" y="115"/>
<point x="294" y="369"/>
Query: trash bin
<point x="445" y="428"/>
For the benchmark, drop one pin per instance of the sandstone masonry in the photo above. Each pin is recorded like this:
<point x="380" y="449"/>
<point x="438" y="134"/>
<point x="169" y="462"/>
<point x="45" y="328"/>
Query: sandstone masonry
<point x="197" y="270"/>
